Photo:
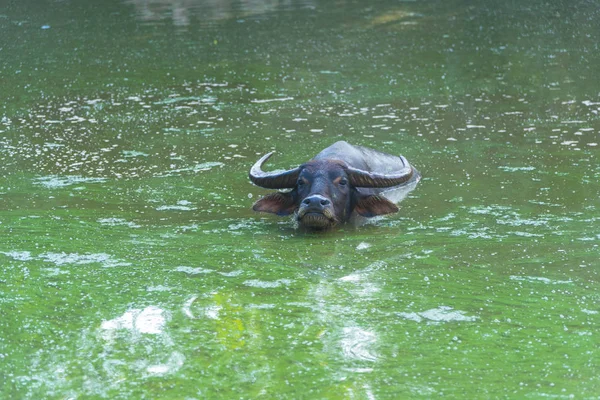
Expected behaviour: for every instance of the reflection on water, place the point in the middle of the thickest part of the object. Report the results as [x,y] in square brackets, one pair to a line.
[184,12]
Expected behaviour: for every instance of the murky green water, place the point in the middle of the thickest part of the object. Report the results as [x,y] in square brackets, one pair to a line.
[133,267]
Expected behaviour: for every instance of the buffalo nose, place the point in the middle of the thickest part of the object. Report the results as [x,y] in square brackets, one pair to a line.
[316,200]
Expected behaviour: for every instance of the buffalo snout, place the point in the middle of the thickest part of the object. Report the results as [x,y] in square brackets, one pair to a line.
[316,201]
[316,211]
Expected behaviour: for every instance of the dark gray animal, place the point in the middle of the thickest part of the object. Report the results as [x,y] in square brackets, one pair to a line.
[341,181]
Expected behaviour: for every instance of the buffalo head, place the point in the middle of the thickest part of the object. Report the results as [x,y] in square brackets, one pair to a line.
[325,192]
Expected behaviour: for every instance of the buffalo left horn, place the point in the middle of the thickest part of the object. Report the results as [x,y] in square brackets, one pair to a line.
[273,180]
[364,179]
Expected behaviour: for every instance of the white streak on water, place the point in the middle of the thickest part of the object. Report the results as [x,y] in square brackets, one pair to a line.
[55,181]
[440,314]
[231,273]
[18,255]
[158,288]
[175,208]
[197,168]
[80,259]
[192,100]
[193,271]
[133,153]
[267,284]
[514,169]
[359,370]
[53,145]
[173,364]
[264,306]
[362,246]
[388,116]
[55,271]
[117,222]
[526,234]
[538,279]
[150,320]
[60,259]
[271,100]
[207,165]
[187,307]
[212,312]
[351,278]
[491,210]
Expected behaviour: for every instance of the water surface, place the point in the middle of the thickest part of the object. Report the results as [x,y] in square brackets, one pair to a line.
[133,266]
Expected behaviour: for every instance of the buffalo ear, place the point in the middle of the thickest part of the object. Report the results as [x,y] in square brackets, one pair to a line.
[277,203]
[374,205]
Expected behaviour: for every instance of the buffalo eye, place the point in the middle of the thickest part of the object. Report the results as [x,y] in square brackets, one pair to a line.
[343,181]
[300,182]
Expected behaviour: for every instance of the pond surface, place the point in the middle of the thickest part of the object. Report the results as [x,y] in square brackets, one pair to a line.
[132,265]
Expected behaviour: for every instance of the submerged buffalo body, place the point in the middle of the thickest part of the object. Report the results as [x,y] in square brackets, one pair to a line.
[341,182]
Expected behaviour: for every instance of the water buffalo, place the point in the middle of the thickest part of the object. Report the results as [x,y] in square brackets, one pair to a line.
[341,182]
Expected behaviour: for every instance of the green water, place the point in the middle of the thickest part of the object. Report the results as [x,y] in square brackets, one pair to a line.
[133,267]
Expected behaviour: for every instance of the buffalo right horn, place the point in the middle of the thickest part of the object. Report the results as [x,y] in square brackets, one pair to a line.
[365,179]
[273,180]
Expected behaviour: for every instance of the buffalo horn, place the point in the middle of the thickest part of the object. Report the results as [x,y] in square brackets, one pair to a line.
[364,179]
[273,180]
